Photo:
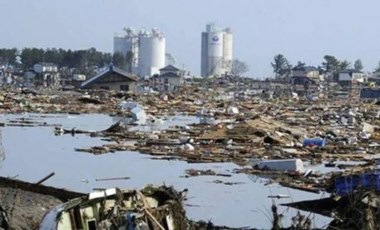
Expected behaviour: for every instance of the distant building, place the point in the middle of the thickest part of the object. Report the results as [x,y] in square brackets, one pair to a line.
[304,75]
[169,79]
[76,81]
[47,75]
[350,76]
[216,53]
[112,79]
[144,52]
[375,78]
[45,68]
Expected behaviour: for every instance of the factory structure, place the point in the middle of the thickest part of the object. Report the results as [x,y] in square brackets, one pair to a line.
[216,53]
[143,51]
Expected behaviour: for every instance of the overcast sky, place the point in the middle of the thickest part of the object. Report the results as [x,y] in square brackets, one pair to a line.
[300,29]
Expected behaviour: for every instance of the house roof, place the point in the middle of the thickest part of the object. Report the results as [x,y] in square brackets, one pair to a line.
[350,71]
[306,68]
[107,72]
[47,64]
[169,68]
[168,74]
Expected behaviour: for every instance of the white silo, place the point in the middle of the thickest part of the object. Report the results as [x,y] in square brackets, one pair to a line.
[216,55]
[151,52]
[127,46]
[121,45]
[227,50]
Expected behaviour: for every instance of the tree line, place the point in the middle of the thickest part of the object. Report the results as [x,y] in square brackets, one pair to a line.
[330,66]
[79,59]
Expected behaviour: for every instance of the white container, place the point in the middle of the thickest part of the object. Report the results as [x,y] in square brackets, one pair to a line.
[280,165]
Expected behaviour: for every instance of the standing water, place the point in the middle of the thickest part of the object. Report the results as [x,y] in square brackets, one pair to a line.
[33,152]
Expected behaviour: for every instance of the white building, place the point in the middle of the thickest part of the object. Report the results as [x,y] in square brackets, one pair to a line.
[45,67]
[350,76]
[169,79]
[48,75]
[143,51]
[216,55]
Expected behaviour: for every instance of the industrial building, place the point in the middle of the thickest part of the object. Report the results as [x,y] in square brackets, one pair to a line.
[144,51]
[216,54]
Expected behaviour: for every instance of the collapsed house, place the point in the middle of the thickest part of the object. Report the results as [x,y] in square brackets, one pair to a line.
[152,208]
[354,202]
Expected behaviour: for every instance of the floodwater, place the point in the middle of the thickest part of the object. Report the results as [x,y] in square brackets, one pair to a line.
[33,152]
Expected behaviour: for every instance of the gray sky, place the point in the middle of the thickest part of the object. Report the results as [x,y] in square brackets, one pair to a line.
[300,29]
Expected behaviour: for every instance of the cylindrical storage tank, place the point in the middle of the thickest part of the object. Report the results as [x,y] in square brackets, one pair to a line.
[158,52]
[135,50]
[227,50]
[151,54]
[204,55]
[145,47]
[215,44]
[215,53]
[121,45]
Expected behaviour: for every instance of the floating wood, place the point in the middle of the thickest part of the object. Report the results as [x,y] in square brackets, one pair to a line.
[45,178]
[113,178]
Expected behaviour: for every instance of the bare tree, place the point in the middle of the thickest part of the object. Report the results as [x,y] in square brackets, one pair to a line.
[238,68]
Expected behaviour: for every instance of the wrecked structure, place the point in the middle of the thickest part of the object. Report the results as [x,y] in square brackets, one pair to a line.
[151,208]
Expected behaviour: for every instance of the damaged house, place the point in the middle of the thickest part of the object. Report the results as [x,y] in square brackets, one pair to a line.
[47,75]
[350,77]
[112,79]
[307,75]
[169,79]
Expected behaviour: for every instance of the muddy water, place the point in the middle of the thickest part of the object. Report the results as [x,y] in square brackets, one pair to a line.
[34,152]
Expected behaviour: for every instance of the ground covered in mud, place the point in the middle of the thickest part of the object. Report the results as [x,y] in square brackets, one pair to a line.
[25,209]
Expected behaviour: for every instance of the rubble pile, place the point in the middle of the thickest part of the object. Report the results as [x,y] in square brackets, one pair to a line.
[270,133]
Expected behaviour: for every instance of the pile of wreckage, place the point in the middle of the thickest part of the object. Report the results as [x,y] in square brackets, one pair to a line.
[150,208]
[273,136]
[28,205]
[354,201]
